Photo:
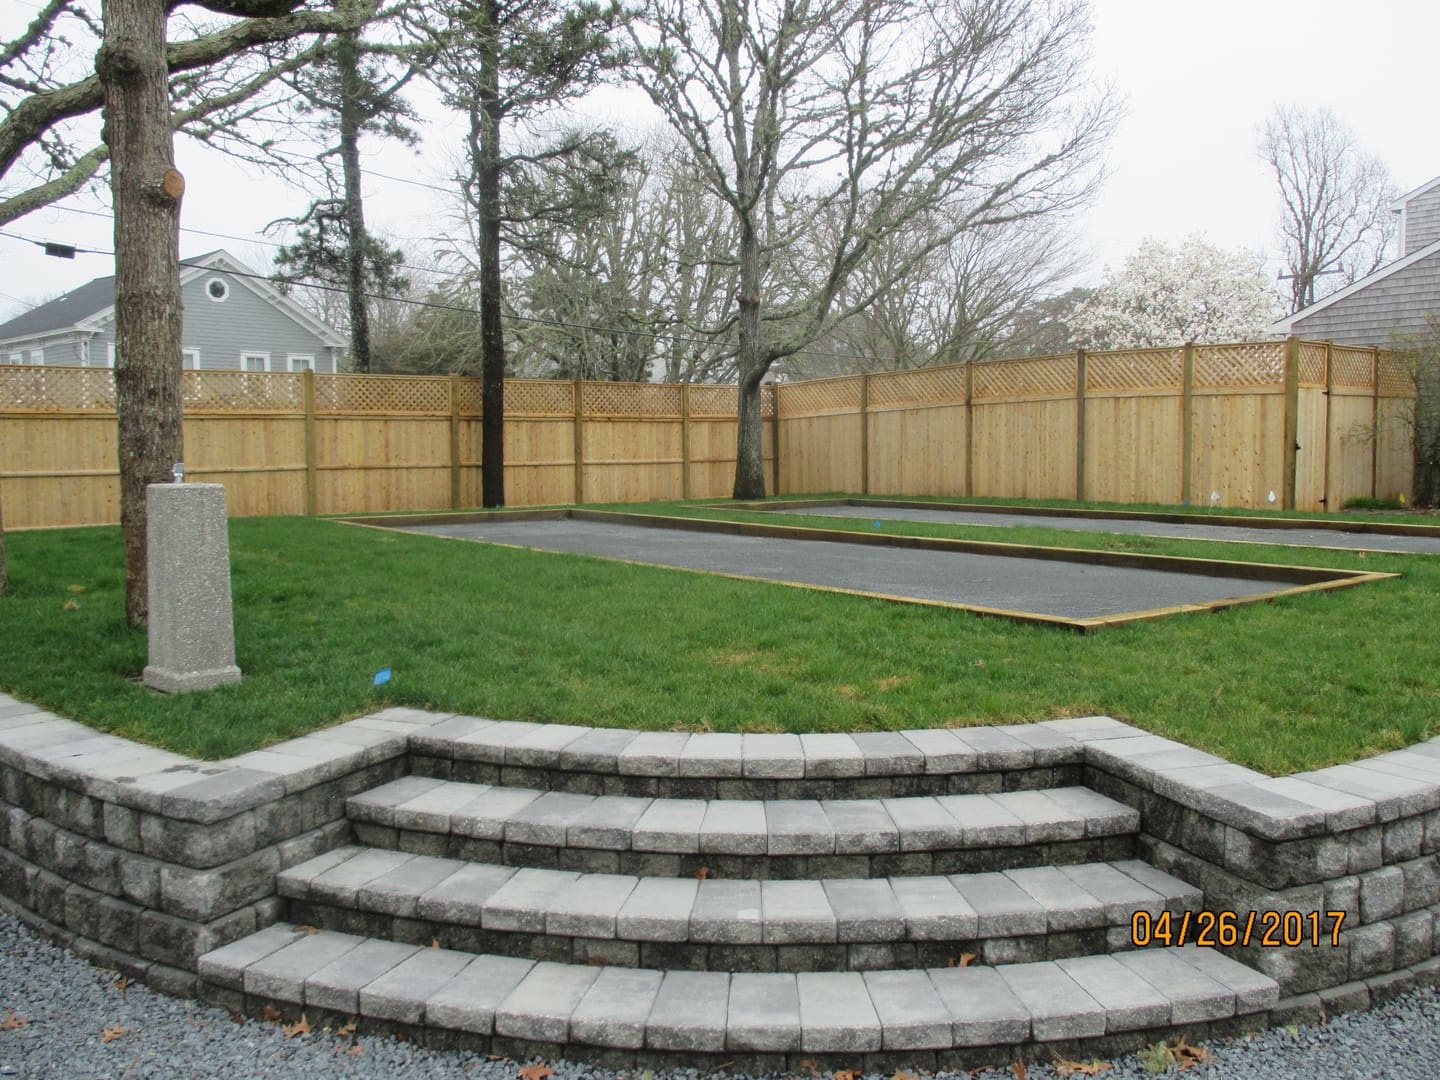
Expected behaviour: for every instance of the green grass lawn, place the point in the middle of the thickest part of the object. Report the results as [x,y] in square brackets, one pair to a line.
[320,607]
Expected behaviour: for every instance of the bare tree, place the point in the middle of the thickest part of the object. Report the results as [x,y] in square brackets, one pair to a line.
[870,114]
[1334,201]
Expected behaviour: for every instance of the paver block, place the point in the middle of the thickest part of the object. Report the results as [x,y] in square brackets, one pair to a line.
[996,749]
[1047,819]
[281,975]
[652,753]
[1059,1008]
[923,823]
[615,1009]
[865,910]
[670,825]
[1067,905]
[945,752]
[727,912]
[540,1006]
[798,827]
[399,891]
[590,909]
[795,912]
[1002,908]
[486,816]
[226,965]
[829,754]
[984,821]
[342,883]
[710,754]
[775,757]
[607,823]
[1130,1004]
[734,827]
[545,820]
[378,804]
[1253,991]
[540,749]
[1194,996]
[860,826]
[888,753]
[460,898]
[521,903]
[400,994]
[488,744]
[983,1010]
[597,750]
[337,985]
[934,909]
[912,1015]
[836,1014]
[469,1000]
[690,1011]
[764,1013]
[658,910]
[1122,895]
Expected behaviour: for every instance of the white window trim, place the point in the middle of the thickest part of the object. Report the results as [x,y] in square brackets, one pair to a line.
[190,359]
[37,357]
[263,357]
[225,295]
[300,361]
[17,358]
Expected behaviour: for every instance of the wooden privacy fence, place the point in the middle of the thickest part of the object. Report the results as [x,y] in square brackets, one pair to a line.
[1314,423]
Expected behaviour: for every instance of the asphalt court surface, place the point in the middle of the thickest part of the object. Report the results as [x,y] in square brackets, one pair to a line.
[1072,590]
[1357,541]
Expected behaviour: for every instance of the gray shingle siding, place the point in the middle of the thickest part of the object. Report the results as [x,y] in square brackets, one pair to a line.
[243,322]
[1376,315]
[1422,220]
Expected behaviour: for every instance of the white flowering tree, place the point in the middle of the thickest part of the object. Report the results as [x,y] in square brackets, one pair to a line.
[1166,296]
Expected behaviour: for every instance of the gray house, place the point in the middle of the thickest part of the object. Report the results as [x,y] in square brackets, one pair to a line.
[1394,300]
[234,320]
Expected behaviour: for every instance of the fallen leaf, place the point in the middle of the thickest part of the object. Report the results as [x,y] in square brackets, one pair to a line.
[537,1071]
[308,929]
[703,873]
[270,1015]
[113,1032]
[1186,1055]
[1066,1067]
[76,588]
[122,983]
[347,1029]
[808,1064]
[12,1022]
[901,1074]
[434,942]
[846,1074]
[356,1049]
[1018,1068]
[965,960]
[70,605]
[300,1027]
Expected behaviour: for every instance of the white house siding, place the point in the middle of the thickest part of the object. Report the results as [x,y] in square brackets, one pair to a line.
[1380,313]
[1422,220]
[57,350]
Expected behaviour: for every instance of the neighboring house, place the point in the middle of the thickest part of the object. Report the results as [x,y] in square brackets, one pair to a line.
[1392,302]
[234,320]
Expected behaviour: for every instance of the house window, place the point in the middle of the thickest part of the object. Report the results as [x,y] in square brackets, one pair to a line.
[110,354]
[17,358]
[85,352]
[301,362]
[190,359]
[255,361]
[37,357]
[217,290]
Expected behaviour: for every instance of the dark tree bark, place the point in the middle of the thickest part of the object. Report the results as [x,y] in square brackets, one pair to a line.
[146,191]
[352,119]
[485,136]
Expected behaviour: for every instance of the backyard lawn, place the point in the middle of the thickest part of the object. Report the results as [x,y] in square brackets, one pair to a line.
[320,607]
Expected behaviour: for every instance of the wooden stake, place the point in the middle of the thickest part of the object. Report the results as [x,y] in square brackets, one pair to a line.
[1080,425]
[864,433]
[455,495]
[969,427]
[1187,424]
[312,479]
[1292,419]
[579,447]
[685,440]
[1329,420]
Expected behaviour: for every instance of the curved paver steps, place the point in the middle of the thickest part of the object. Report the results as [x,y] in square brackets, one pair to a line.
[743,838]
[711,1013]
[717,924]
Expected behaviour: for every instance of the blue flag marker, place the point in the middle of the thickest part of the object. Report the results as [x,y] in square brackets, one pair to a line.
[877,524]
[382,676]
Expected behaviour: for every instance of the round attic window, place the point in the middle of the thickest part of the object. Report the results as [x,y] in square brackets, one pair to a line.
[217,290]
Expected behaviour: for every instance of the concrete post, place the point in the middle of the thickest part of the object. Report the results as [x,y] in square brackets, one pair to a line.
[192,628]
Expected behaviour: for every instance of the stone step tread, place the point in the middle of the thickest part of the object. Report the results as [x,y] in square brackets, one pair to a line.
[716,1012]
[759,756]
[957,907]
[742,826]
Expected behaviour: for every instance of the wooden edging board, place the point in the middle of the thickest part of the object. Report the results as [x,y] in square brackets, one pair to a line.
[1305,578]
[1176,517]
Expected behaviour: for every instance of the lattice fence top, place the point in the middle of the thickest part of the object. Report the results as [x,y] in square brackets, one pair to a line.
[57,389]
[1250,364]
[1038,375]
[527,397]
[242,391]
[1395,379]
[382,394]
[714,401]
[1135,369]
[921,386]
[1353,367]
[630,399]
[1312,364]
[820,396]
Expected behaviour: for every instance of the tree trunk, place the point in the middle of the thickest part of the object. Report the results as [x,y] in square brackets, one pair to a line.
[145,193]
[347,59]
[492,339]
[752,363]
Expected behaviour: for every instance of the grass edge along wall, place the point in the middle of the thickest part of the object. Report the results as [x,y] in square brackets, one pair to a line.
[1308,422]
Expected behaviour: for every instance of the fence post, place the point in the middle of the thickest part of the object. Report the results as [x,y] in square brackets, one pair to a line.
[969,427]
[455,440]
[774,433]
[685,440]
[1080,425]
[864,433]
[312,483]
[1375,422]
[1329,420]
[579,446]
[1187,422]
[1292,419]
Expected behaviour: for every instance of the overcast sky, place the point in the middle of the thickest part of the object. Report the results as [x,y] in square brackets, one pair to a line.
[1197,79]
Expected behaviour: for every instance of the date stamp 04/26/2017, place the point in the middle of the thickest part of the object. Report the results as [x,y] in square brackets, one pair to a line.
[1268,929]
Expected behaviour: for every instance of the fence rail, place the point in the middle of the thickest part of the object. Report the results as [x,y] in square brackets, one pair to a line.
[1311,422]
